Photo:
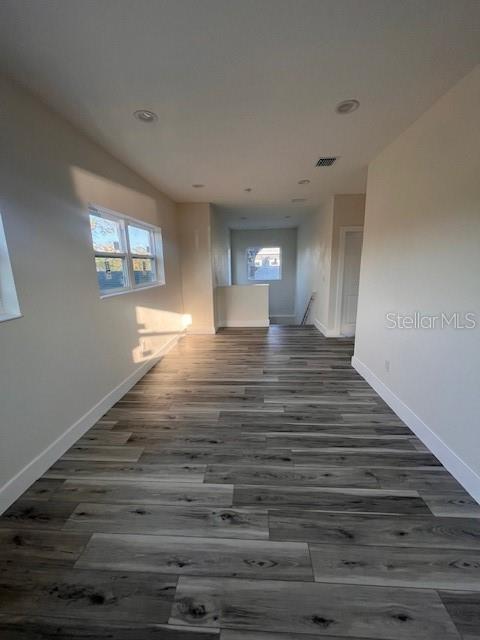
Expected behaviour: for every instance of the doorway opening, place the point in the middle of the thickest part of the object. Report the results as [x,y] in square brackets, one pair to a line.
[349,258]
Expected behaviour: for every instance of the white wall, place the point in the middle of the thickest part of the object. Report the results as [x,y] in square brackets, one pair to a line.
[282,292]
[322,234]
[308,254]
[221,260]
[314,250]
[221,249]
[306,267]
[70,349]
[243,305]
[348,211]
[422,253]
[194,223]
[318,241]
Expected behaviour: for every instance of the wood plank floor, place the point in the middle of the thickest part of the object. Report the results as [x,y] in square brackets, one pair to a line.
[251,486]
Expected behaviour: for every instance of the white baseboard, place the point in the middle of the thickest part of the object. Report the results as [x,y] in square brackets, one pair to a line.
[328,333]
[245,323]
[14,488]
[450,460]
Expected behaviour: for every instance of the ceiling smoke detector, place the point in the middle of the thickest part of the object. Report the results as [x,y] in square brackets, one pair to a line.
[248,189]
[347,106]
[304,181]
[145,115]
[326,162]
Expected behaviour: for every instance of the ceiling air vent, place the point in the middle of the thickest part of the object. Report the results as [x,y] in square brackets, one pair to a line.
[325,162]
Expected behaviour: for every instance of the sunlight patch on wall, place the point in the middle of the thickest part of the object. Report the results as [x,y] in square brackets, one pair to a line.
[92,188]
[155,329]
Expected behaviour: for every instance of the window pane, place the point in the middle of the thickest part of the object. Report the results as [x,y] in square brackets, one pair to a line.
[264,263]
[140,241]
[8,294]
[106,235]
[111,274]
[143,270]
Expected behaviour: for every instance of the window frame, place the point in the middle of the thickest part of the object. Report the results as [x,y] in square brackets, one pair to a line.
[143,256]
[124,221]
[9,307]
[258,248]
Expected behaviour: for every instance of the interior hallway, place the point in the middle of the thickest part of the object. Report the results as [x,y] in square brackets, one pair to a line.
[251,481]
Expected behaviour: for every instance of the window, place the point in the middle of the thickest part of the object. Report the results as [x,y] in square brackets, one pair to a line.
[128,253]
[9,308]
[264,263]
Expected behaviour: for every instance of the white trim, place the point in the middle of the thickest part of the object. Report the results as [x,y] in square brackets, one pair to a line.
[121,292]
[465,475]
[244,323]
[10,316]
[328,333]
[340,274]
[124,222]
[14,488]
[9,307]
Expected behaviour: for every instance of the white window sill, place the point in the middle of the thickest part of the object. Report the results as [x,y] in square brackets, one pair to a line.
[10,316]
[122,292]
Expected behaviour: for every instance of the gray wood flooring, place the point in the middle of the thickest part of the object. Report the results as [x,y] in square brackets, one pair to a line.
[251,486]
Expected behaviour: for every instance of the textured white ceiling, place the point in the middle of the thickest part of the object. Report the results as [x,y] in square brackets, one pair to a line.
[245,90]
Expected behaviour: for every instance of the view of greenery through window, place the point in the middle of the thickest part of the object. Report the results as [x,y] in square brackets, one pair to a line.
[264,263]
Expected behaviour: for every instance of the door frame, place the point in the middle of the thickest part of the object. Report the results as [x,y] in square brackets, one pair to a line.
[341,271]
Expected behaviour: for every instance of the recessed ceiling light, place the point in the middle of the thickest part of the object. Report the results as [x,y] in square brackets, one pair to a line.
[347,106]
[305,181]
[249,189]
[198,186]
[297,200]
[144,115]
